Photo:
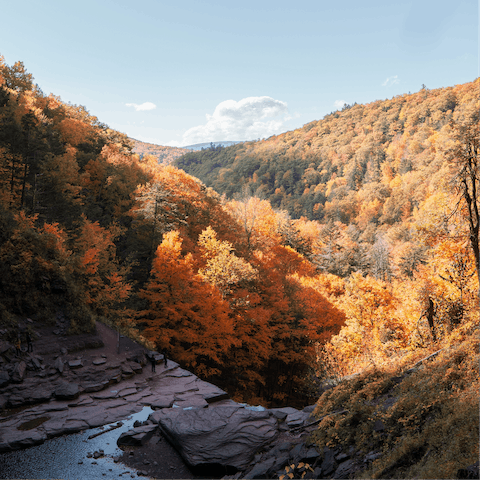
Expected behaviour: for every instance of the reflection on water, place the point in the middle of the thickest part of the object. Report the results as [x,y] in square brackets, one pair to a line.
[60,457]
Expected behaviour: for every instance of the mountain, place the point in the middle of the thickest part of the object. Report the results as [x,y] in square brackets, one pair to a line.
[165,155]
[206,145]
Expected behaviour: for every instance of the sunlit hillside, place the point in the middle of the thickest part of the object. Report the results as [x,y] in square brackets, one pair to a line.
[165,155]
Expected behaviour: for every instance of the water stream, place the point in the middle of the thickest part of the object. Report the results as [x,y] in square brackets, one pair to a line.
[66,456]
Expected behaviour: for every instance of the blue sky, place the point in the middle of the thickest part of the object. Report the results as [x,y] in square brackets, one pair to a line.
[190,71]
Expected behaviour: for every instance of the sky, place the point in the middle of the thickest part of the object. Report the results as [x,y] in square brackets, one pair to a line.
[191,71]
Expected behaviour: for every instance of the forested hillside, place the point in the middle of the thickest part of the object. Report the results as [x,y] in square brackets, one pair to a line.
[367,173]
[333,168]
[165,155]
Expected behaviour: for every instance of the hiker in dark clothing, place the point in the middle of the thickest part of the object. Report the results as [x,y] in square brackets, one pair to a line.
[165,356]
[153,362]
[29,343]
[430,312]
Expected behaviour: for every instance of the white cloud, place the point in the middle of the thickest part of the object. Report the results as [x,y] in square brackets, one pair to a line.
[391,81]
[142,106]
[338,104]
[247,119]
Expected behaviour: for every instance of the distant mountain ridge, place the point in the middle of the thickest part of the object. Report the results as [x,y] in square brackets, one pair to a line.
[165,155]
[200,146]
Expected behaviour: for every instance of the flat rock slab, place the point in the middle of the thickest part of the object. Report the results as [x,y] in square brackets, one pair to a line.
[94,387]
[54,428]
[75,364]
[84,401]
[165,401]
[177,372]
[113,365]
[96,420]
[127,391]
[227,436]
[138,396]
[105,395]
[54,407]
[190,400]
[98,361]
[209,392]
[17,439]
[120,402]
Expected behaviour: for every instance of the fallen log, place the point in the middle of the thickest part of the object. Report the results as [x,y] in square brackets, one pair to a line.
[434,354]
[118,425]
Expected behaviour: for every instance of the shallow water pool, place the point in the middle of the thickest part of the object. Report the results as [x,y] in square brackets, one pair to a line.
[60,457]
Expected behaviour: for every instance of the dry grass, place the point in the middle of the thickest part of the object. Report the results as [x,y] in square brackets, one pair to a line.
[425,423]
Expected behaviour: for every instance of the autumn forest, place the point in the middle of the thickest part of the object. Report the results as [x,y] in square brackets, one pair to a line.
[266,267]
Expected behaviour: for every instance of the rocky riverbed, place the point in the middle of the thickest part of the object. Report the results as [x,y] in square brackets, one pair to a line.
[62,404]
[79,383]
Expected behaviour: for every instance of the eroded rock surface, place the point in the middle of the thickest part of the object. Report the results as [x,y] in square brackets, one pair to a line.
[227,436]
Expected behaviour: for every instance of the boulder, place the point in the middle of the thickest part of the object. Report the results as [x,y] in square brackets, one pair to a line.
[99,361]
[58,365]
[19,372]
[4,378]
[296,419]
[328,464]
[67,391]
[227,436]
[127,370]
[39,395]
[33,363]
[4,347]
[282,413]
[260,469]
[345,469]
[472,471]
[137,436]
[136,367]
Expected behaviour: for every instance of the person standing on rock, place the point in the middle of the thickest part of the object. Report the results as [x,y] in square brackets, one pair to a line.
[165,357]
[29,343]
[164,351]
[153,361]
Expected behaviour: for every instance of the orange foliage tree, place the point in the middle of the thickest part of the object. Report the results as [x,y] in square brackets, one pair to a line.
[184,314]
[103,279]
